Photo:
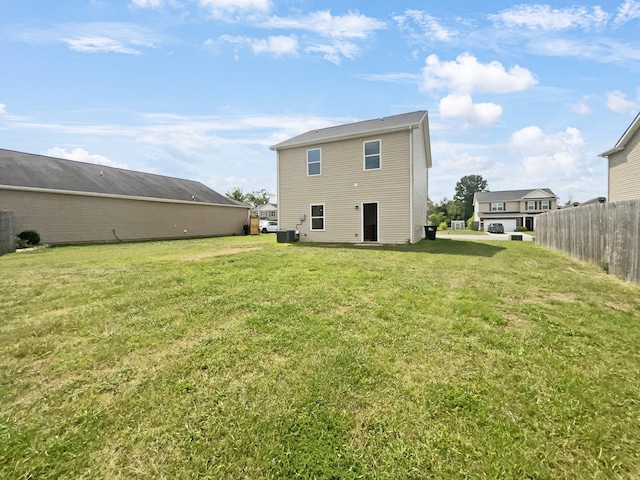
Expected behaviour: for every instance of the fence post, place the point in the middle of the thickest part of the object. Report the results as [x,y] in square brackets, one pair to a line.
[7,232]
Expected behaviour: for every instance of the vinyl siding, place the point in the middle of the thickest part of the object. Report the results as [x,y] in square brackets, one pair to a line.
[485,207]
[420,186]
[342,168]
[515,206]
[624,172]
[69,218]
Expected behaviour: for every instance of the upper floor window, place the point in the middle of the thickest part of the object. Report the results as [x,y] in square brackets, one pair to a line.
[497,207]
[544,205]
[531,205]
[313,162]
[317,217]
[372,155]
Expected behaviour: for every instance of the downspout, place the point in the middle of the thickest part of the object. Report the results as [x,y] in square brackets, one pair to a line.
[278,186]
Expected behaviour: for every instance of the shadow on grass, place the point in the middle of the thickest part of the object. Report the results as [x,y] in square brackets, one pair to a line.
[437,247]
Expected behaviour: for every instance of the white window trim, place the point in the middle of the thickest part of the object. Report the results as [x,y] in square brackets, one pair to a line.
[311,217]
[534,204]
[318,162]
[545,205]
[364,156]
[501,204]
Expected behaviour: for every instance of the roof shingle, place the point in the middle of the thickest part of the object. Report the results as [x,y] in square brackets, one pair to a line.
[350,129]
[19,169]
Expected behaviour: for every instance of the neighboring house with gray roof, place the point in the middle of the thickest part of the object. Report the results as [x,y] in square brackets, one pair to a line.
[364,182]
[624,165]
[75,202]
[512,208]
[268,211]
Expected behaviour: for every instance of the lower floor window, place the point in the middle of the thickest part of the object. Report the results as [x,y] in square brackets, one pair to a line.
[317,217]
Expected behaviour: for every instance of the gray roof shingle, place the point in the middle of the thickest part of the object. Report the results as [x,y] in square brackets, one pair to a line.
[19,169]
[350,129]
[508,195]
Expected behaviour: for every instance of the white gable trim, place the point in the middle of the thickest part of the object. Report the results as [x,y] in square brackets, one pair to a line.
[626,136]
[537,193]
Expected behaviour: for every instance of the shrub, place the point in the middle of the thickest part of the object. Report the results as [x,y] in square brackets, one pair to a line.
[522,229]
[31,237]
[443,226]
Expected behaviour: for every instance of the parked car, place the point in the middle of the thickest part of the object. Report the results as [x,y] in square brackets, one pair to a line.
[496,228]
[268,226]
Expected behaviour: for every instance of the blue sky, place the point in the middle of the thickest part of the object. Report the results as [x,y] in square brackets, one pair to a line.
[524,94]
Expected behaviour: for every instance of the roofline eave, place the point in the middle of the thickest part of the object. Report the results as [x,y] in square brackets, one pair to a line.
[399,128]
[19,188]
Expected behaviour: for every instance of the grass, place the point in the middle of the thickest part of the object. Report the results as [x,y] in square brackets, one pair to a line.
[243,358]
[460,232]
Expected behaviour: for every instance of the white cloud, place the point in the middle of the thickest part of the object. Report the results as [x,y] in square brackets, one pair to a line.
[92,37]
[99,45]
[558,156]
[3,109]
[466,75]
[617,102]
[461,106]
[352,25]
[336,52]
[277,45]
[397,77]
[222,9]
[628,11]
[81,155]
[429,28]
[543,17]
[147,3]
[465,162]
[580,108]
[600,50]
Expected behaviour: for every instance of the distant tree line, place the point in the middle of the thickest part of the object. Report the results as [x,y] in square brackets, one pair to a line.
[255,198]
[461,206]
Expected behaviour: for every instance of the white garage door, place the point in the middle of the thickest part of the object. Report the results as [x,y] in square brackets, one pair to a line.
[509,225]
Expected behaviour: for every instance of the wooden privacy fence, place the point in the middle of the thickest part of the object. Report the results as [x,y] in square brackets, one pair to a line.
[605,234]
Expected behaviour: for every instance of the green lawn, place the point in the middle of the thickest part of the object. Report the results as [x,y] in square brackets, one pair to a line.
[444,233]
[242,358]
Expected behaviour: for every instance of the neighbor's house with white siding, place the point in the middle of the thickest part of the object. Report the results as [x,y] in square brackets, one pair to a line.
[512,208]
[364,182]
[69,202]
[624,165]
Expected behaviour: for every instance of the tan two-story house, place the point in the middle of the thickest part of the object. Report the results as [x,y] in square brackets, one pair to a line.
[624,165]
[512,208]
[364,182]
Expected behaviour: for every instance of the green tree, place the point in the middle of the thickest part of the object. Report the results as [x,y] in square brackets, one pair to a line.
[466,187]
[445,211]
[258,197]
[237,194]
[255,198]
